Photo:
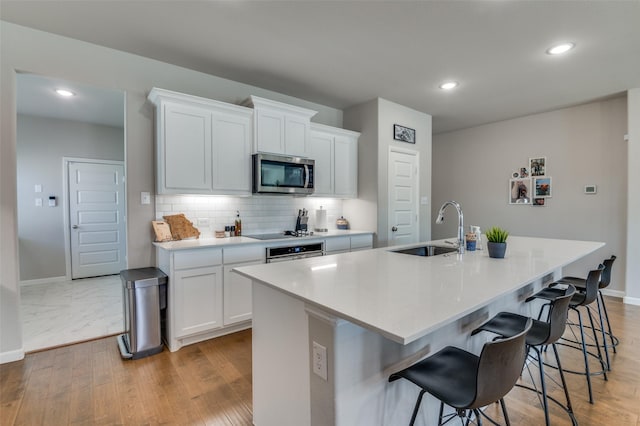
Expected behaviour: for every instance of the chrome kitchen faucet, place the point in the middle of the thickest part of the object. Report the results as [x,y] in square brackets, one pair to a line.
[440,220]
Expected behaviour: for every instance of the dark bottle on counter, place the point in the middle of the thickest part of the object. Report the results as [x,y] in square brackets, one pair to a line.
[238,224]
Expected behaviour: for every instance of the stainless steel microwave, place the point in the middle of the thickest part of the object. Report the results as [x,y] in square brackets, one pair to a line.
[281,174]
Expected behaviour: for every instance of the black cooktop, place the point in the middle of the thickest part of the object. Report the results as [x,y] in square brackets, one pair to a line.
[274,236]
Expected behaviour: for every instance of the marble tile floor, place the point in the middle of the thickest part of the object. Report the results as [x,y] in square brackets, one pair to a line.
[60,313]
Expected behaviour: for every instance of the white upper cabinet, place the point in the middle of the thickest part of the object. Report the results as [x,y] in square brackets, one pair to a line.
[202,146]
[280,128]
[186,151]
[336,154]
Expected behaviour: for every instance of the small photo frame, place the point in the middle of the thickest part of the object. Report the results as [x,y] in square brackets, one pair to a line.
[404,134]
[520,191]
[538,166]
[542,187]
[538,202]
[524,173]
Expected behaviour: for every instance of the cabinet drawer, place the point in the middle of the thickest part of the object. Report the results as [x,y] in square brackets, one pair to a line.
[245,253]
[199,258]
[362,241]
[336,244]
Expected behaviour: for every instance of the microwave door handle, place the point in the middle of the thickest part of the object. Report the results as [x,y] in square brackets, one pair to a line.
[306,176]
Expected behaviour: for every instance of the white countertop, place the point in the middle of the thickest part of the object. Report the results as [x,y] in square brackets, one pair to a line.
[230,241]
[404,297]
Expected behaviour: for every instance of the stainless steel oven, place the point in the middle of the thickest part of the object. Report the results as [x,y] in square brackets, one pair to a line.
[293,252]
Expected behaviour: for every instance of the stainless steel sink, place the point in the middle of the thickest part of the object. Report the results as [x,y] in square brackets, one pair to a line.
[428,250]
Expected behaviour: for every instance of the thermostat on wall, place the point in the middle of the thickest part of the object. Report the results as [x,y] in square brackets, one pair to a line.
[590,189]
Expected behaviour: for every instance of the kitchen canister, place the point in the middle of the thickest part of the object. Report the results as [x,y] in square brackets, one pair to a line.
[321,220]
[342,223]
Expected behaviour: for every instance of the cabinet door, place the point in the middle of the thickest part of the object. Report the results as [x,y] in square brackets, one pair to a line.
[296,135]
[198,300]
[237,294]
[321,150]
[231,154]
[345,167]
[184,155]
[270,131]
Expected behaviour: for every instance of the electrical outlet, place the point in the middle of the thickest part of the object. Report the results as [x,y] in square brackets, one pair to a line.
[319,360]
[203,222]
[38,202]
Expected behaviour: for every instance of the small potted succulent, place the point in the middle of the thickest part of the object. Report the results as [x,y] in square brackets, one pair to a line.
[496,242]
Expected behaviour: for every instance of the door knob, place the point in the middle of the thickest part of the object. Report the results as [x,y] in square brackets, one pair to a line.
[394,228]
[75,227]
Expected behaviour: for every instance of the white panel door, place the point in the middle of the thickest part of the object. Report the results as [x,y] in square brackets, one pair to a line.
[237,294]
[403,194]
[96,218]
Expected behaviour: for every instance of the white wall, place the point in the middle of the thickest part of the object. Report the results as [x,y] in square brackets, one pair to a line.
[27,50]
[42,142]
[583,145]
[375,120]
[633,212]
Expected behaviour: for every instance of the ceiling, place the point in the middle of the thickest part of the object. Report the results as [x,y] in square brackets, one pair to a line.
[342,53]
[36,96]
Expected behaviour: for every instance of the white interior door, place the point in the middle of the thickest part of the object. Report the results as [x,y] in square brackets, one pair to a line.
[403,197]
[96,218]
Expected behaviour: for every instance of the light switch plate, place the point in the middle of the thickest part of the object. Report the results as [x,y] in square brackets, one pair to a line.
[38,202]
[37,188]
[424,200]
[145,198]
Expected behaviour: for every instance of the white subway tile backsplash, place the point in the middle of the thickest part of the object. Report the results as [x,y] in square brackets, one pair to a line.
[260,214]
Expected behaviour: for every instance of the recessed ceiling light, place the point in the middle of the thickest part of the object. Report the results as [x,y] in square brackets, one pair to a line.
[559,49]
[65,93]
[448,85]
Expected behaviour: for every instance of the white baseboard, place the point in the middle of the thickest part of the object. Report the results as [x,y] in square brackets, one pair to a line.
[43,281]
[11,356]
[631,300]
[614,293]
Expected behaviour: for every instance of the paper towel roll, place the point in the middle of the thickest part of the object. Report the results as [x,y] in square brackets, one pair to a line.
[321,221]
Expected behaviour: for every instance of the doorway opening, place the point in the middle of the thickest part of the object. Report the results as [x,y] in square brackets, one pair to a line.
[50,129]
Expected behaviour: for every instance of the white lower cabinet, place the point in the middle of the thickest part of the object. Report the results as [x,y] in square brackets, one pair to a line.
[206,299]
[237,294]
[198,299]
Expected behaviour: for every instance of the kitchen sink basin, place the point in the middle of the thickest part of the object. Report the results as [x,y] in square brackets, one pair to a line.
[428,250]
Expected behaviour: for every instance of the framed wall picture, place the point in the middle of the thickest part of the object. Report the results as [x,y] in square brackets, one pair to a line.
[520,191]
[404,134]
[538,166]
[542,187]
[538,202]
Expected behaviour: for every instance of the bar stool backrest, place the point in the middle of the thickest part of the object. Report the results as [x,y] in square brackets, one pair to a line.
[591,285]
[558,315]
[605,279]
[499,367]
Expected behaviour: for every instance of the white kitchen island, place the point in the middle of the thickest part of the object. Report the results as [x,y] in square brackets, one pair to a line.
[376,312]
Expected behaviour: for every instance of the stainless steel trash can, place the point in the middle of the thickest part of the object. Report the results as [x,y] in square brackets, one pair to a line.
[144,299]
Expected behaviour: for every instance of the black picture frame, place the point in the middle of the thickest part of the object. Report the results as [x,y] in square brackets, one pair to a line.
[404,134]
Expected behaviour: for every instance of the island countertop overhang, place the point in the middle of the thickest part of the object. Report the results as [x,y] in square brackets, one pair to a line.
[405,297]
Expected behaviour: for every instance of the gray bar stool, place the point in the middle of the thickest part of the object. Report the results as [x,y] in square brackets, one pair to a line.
[466,381]
[580,299]
[541,334]
[605,279]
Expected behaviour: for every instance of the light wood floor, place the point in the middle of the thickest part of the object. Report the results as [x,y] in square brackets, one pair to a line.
[210,383]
